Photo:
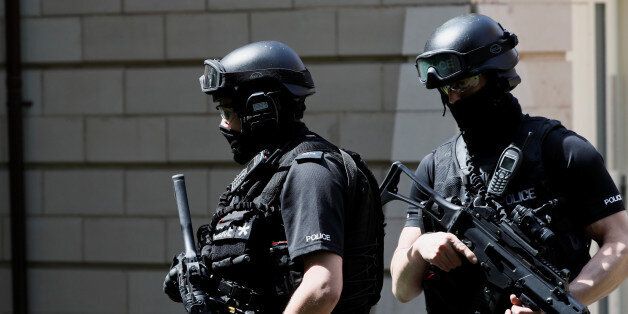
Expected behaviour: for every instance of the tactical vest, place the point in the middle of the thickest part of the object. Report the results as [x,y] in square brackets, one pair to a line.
[529,187]
[246,246]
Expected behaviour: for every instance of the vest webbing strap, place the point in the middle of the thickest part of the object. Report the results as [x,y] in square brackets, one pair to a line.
[351,170]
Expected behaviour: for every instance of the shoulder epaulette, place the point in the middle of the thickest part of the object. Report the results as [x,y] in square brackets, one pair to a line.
[309,156]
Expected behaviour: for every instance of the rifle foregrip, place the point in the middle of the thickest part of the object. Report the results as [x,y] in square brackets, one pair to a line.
[527,302]
[181,197]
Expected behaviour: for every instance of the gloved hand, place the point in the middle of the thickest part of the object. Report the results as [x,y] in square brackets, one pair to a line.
[177,286]
[171,282]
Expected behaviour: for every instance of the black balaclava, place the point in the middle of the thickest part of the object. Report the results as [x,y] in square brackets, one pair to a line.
[245,145]
[242,146]
[487,119]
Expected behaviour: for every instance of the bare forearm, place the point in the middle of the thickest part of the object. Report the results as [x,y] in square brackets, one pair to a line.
[321,286]
[602,274]
[312,296]
[407,274]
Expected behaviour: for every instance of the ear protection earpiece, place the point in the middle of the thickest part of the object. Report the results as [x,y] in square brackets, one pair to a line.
[261,113]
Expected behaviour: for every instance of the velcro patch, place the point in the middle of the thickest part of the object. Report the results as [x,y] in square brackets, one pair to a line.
[309,156]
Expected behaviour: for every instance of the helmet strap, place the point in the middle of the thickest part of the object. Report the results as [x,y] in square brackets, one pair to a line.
[444,99]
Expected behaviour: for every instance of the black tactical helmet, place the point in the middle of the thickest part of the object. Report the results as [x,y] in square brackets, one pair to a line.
[465,46]
[264,61]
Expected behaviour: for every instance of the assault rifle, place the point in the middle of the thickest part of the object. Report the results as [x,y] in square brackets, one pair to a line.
[194,278]
[506,253]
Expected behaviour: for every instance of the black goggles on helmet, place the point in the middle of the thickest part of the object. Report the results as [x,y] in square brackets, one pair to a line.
[215,77]
[447,64]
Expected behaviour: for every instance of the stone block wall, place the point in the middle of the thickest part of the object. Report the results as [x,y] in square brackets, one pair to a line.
[117,110]
[544,44]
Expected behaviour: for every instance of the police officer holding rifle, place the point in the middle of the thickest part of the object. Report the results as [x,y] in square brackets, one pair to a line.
[531,170]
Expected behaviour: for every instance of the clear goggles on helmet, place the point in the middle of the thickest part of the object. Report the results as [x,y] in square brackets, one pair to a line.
[216,77]
[447,64]
[213,77]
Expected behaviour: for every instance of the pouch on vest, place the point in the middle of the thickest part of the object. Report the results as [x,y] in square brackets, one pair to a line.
[238,241]
[285,279]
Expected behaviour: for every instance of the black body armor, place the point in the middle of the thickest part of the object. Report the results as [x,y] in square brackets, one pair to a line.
[464,289]
[246,246]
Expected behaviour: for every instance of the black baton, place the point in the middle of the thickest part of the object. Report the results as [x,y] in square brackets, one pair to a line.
[181,196]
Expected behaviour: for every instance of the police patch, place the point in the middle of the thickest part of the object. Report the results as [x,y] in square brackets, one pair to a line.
[612,199]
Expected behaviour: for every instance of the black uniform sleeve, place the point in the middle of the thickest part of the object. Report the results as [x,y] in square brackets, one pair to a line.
[312,205]
[577,170]
[425,174]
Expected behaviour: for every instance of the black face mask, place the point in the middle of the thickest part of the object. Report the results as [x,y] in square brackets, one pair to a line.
[476,111]
[242,147]
[486,118]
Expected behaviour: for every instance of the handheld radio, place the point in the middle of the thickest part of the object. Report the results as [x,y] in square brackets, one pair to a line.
[509,161]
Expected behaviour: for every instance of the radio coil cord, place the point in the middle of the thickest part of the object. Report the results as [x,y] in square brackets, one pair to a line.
[475,185]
